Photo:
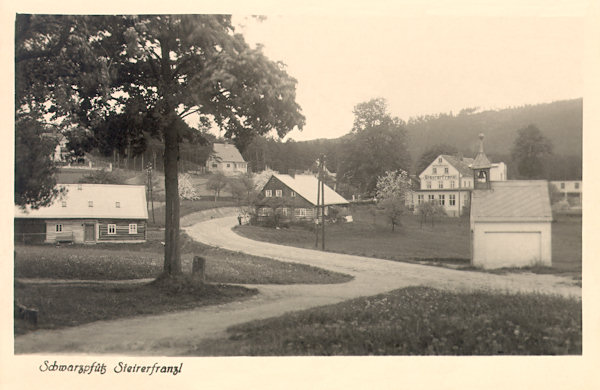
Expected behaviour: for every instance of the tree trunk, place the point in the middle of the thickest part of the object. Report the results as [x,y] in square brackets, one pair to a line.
[172,255]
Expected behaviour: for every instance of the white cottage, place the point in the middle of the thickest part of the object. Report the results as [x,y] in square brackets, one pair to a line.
[511,221]
[226,159]
[87,213]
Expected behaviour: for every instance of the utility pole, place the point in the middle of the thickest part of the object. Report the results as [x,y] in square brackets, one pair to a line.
[321,174]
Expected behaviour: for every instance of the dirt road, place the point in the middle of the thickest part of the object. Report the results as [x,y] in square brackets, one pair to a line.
[175,333]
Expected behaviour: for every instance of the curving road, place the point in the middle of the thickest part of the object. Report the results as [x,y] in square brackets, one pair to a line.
[176,333]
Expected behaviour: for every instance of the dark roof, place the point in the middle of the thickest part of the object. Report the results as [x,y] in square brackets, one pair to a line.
[512,200]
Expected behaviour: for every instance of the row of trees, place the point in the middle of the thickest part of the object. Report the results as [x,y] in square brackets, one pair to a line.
[123,78]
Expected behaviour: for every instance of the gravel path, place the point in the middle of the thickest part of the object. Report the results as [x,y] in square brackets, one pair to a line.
[173,334]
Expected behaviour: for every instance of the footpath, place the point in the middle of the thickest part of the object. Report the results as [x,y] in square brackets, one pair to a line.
[173,334]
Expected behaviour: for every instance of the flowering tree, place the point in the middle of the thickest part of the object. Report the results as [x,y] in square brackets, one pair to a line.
[391,191]
[186,188]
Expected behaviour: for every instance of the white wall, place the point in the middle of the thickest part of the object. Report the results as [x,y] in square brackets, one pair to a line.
[511,244]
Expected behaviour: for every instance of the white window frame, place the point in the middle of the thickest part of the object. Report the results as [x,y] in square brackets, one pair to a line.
[278,193]
[434,170]
[90,203]
[133,228]
[301,212]
[440,160]
[293,194]
[446,170]
[452,200]
[268,193]
[111,229]
[58,228]
[284,211]
[442,200]
[440,184]
[420,199]
[118,205]
[452,184]
[431,198]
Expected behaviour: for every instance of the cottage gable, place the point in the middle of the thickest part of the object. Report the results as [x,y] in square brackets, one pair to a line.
[447,172]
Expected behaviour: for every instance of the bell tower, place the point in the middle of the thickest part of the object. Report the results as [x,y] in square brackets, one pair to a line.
[481,168]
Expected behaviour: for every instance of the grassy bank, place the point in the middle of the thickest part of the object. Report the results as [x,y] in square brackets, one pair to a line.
[415,321]
[66,305]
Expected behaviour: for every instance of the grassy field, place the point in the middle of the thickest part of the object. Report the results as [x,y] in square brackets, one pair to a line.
[71,305]
[187,207]
[445,243]
[68,305]
[415,321]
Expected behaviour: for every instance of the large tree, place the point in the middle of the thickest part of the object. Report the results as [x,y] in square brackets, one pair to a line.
[376,144]
[529,151]
[154,71]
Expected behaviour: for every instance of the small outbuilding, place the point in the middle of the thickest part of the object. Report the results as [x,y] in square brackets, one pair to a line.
[87,213]
[511,221]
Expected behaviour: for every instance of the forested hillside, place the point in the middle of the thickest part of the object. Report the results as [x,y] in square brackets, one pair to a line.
[560,122]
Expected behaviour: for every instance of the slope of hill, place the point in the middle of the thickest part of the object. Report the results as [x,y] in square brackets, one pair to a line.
[561,122]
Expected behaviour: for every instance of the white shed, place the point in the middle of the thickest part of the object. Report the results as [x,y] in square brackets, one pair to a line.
[511,225]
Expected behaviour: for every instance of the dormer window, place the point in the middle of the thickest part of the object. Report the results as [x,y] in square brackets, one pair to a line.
[440,160]
[118,205]
[90,203]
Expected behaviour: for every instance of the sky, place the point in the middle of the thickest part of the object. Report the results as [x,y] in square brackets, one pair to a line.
[421,64]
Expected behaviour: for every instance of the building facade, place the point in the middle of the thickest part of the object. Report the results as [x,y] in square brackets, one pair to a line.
[571,191]
[87,213]
[295,197]
[226,159]
[448,182]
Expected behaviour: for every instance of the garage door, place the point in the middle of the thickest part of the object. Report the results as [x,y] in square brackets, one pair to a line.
[512,249]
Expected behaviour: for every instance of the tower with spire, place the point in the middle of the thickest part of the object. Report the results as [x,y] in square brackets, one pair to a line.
[481,168]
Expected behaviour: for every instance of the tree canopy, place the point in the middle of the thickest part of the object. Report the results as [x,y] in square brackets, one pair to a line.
[123,76]
[377,144]
[529,150]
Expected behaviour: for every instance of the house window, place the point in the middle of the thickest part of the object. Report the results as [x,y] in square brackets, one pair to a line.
[90,203]
[431,198]
[64,204]
[576,186]
[214,165]
[293,194]
[442,200]
[452,184]
[59,228]
[79,187]
[428,185]
[434,170]
[440,160]
[419,199]
[112,228]
[228,165]
[133,228]
[440,184]
[452,200]
[284,211]
[562,186]
[302,212]
[268,193]
[446,170]
[278,193]
[263,212]
[118,205]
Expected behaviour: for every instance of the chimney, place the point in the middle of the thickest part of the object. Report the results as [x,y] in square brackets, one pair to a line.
[292,173]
